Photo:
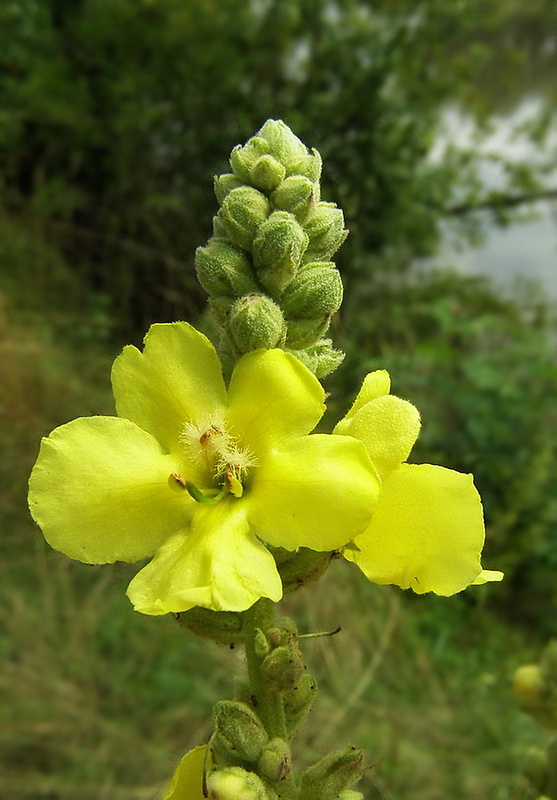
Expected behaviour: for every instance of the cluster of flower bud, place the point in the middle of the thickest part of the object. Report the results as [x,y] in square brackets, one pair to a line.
[267,268]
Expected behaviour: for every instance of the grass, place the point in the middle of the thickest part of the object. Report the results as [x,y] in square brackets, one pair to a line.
[99,702]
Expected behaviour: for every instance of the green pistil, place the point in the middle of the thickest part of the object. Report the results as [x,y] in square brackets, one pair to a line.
[208,499]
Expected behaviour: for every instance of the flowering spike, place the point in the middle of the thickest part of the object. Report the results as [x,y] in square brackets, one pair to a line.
[271,228]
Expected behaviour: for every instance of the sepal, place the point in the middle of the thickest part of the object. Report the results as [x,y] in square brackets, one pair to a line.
[334,773]
[274,763]
[298,195]
[326,231]
[223,269]
[223,627]
[277,251]
[239,734]
[255,322]
[242,212]
[315,292]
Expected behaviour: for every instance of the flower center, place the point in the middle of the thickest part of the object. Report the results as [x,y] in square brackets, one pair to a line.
[210,447]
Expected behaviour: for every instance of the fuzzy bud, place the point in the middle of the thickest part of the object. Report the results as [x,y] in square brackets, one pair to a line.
[350,794]
[298,701]
[308,165]
[314,293]
[282,143]
[303,333]
[223,270]
[296,194]
[223,185]
[267,173]
[242,212]
[220,307]
[303,567]
[254,322]
[321,358]
[283,667]
[326,231]
[277,251]
[332,774]
[244,157]
[234,783]
[239,734]
[224,627]
[275,761]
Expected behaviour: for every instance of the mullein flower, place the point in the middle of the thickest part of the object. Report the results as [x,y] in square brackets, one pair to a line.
[188,780]
[199,478]
[427,530]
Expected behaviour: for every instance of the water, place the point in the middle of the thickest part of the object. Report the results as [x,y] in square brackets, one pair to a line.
[524,249]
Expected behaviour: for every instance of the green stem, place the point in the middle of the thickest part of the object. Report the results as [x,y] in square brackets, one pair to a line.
[266,701]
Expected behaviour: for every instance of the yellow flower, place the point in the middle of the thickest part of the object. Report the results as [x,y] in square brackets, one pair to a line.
[187,781]
[197,478]
[427,530]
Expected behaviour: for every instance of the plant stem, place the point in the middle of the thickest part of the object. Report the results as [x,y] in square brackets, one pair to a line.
[266,700]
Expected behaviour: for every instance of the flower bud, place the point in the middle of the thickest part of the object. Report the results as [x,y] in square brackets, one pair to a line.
[277,250]
[267,173]
[350,794]
[326,231]
[296,194]
[239,734]
[332,774]
[244,157]
[254,322]
[275,761]
[283,667]
[305,332]
[220,308]
[314,293]
[303,567]
[529,686]
[234,783]
[224,627]
[282,143]
[242,212]
[223,269]
[298,701]
[223,185]
[308,165]
[321,358]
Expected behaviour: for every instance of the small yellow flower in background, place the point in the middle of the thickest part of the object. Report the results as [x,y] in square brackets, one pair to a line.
[427,531]
[198,478]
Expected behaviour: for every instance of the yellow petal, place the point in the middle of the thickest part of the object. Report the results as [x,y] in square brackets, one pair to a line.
[375,384]
[218,565]
[187,781]
[388,427]
[100,491]
[318,492]
[488,576]
[175,379]
[427,531]
[272,398]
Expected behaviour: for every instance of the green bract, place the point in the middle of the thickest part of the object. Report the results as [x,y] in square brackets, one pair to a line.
[198,478]
[427,531]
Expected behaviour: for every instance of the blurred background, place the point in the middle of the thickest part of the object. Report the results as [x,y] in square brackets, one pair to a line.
[437,129]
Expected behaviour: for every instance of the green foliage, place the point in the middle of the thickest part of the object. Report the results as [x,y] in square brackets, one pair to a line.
[115,114]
